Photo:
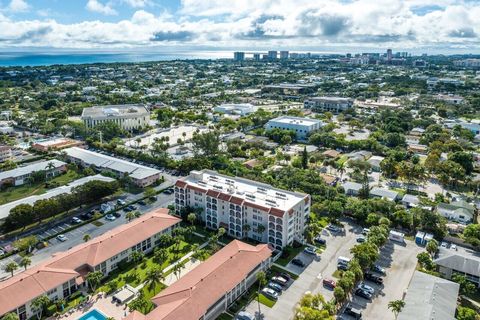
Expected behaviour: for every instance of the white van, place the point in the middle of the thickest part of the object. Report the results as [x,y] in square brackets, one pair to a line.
[343,260]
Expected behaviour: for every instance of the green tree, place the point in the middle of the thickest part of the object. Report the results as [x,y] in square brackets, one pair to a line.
[10,316]
[11,267]
[153,278]
[206,144]
[93,279]
[149,192]
[464,313]
[339,295]
[136,257]
[466,287]
[262,281]
[86,237]
[396,306]
[312,307]
[39,305]
[192,217]
[305,158]
[432,247]
[130,216]
[160,255]
[25,262]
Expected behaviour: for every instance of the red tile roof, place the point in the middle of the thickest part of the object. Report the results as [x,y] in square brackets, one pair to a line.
[191,296]
[72,263]
[277,212]
[196,188]
[224,196]
[213,193]
[180,184]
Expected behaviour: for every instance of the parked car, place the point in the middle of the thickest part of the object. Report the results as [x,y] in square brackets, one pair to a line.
[298,263]
[275,286]
[168,191]
[353,312]
[365,231]
[373,278]
[269,293]
[320,241]
[280,280]
[87,215]
[342,266]
[76,220]
[378,269]
[117,214]
[142,203]
[285,276]
[444,245]
[333,228]
[361,239]
[110,217]
[153,198]
[2,252]
[309,250]
[132,207]
[363,294]
[453,247]
[62,238]
[366,287]
[127,209]
[243,315]
[121,202]
[329,283]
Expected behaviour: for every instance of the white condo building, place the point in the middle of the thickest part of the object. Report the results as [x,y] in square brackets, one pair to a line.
[127,117]
[244,207]
[301,126]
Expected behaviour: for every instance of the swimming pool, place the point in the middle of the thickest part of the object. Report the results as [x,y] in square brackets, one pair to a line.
[93,315]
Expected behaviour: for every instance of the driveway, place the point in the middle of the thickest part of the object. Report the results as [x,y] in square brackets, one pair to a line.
[311,276]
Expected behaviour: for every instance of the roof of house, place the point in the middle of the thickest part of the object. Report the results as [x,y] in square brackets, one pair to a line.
[459,207]
[430,297]
[68,265]
[21,171]
[331,153]
[191,296]
[384,193]
[349,185]
[410,198]
[459,260]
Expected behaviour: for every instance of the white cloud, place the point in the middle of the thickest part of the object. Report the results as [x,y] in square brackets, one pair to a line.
[270,23]
[18,6]
[96,6]
[137,3]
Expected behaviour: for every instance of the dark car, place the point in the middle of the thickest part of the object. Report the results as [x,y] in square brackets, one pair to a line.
[86,216]
[142,203]
[153,198]
[298,263]
[117,214]
[329,283]
[132,207]
[285,276]
[364,294]
[373,278]
[275,286]
[353,312]
[320,241]
[378,269]
[342,266]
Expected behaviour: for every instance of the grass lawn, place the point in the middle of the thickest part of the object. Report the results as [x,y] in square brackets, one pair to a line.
[15,193]
[265,301]
[225,316]
[337,274]
[288,254]
[276,269]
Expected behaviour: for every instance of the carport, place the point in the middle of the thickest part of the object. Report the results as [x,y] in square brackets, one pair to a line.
[125,294]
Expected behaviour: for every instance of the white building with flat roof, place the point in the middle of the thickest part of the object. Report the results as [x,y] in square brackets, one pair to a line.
[20,175]
[127,116]
[330,104]
[241,109]
[245,208]
[301,126]
[142,176]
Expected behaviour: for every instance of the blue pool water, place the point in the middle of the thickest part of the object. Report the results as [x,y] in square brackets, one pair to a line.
[93,315]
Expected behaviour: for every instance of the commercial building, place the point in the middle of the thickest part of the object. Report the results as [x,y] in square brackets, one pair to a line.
[290,89]
[210,288]
[239,56]
[5,208]
[461,261]
[330,104]
[241,109]
[283,55]
[430,297]
[140,175]
[56,144]
[301,126]
[66,272]
[272,55]
[5,153]
[245,208]
[127,117]
[20,175]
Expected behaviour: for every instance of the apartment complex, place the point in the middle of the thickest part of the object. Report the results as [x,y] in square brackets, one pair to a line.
[330,104]
[210,288]
[20,175]
[245,208]
[66,272]
[5,153]
[301,126]
[141,176]
[128,116]
[56,144]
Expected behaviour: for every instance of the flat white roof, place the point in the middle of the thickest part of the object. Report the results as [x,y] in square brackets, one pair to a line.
[5,209]
[249,190]
[296,121]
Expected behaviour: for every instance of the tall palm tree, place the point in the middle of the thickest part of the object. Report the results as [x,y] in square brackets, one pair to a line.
[25,262]
[11,267]
[93,279]
[86,237]
[50,166]
[130,216]
[396,306]
[153,278]
[262,281]
[39,304]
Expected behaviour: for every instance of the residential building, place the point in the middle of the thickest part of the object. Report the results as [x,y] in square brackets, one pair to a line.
[272,55]
[375,163]
[210,288]
[128,116]
[241,109]
[66,272]
[459,211]
[410,201]
[330,104]
[245,208]
[429,297]
[283,55]
[141,176]
[20,175]
[239,56]
[384,193]
[56,144]
[301,126]
[5,153]
[352,188]
[5,208]
[461,261]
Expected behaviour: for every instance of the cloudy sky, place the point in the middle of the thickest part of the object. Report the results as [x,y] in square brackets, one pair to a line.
[322,25]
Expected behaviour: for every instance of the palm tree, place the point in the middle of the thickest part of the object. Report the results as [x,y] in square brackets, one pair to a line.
[432,247]
[396,306]
[11,267]
[191,218]
[39,304]
[50,166]
[261,230]
[262,281]
[136,257]
[86,237]
[160,255]
[177,270]
[246,228]
[153,278]
[93,279]
[25,262]
[130,216]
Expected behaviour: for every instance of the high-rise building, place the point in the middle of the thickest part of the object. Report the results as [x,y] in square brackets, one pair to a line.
[389,54]
[283,54]
[272,54]
[245,208]
[256,56]
[239,56]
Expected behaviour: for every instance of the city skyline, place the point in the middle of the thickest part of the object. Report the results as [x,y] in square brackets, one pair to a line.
[447,26]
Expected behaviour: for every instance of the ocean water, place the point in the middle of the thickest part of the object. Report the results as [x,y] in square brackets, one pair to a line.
[9,59]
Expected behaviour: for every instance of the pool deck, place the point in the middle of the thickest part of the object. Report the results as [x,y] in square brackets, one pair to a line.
[102,303]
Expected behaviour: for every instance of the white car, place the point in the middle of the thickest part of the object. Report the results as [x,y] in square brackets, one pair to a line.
[366,288]
[453,247]
[270,293]
[62,238]
[110,217]
[243,315]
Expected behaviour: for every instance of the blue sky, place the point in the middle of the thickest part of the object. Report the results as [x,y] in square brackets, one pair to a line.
[326,25]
